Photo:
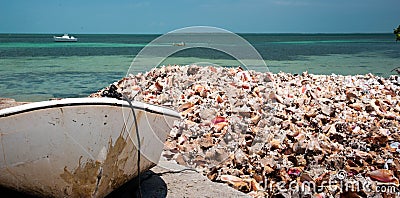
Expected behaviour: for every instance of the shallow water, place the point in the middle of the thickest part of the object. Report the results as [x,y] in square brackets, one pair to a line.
[34,68]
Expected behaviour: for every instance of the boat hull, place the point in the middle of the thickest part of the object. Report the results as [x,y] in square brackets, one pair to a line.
[65,40]
[79,148]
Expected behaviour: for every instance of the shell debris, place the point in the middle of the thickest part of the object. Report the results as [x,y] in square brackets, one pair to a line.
[253,130]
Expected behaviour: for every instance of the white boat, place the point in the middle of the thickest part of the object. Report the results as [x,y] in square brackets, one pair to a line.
[65,38]
[80,147]
[179,44]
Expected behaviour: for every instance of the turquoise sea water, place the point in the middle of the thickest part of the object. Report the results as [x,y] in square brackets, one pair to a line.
[34,68]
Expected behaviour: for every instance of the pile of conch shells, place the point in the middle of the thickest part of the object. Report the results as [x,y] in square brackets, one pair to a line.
[279,135]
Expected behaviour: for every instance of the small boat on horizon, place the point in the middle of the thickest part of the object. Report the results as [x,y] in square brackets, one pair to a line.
[65,38]
[80,147]
[179,44]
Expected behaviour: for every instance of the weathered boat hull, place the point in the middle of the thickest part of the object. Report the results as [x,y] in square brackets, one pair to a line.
[78,147]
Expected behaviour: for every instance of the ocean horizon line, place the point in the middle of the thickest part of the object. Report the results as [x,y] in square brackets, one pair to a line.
[239,33]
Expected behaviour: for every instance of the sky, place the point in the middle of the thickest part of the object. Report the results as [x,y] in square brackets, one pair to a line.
[162,16]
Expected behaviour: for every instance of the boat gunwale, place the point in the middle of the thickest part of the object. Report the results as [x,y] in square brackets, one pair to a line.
[86,101]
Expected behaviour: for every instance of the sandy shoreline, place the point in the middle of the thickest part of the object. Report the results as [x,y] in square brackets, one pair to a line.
[261,132]
[9,102]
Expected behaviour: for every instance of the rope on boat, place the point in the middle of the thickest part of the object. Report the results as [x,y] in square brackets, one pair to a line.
[113,93]
[138,139]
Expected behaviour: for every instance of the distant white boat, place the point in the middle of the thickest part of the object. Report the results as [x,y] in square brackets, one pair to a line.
[65,38]
[179,44]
